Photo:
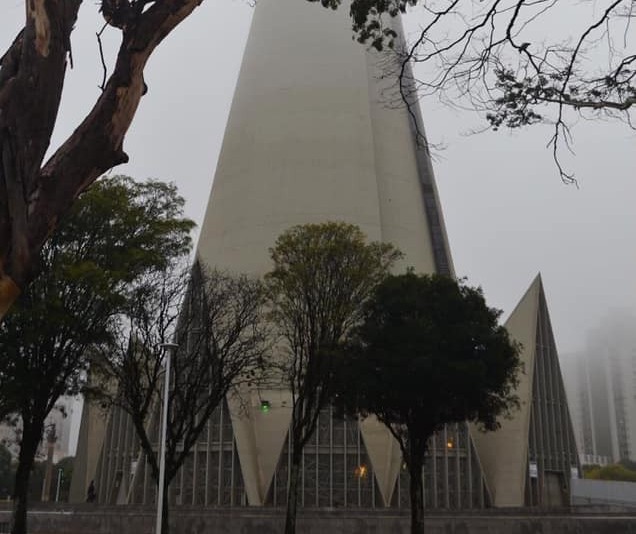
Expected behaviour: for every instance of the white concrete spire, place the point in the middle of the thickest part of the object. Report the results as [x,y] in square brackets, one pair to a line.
[311,137]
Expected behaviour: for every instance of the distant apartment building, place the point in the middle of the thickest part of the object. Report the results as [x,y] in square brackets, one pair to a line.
[601,385]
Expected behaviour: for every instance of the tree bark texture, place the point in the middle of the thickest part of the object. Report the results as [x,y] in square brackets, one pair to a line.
[28,448]
[416,492]
[292,492]
[33,195]
[414,451]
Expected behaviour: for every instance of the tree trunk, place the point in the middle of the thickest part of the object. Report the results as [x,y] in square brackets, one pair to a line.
[26,458]
[292,492]
[416,492]
[165,512]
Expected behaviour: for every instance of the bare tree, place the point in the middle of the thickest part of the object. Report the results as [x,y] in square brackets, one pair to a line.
[215,319]
[323,274]
[518,62]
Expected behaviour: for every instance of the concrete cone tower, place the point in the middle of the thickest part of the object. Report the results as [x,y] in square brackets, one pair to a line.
[314,135]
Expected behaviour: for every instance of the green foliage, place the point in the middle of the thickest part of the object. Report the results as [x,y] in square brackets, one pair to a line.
[609,472]
[8,470]
[7,476]
[516,107]
[323,274]
[429,352]
[120,229]
[114,235]
[629,464]
[113,239]
[366,16]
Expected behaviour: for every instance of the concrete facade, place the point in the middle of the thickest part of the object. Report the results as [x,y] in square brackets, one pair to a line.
[504,454]
[531,459]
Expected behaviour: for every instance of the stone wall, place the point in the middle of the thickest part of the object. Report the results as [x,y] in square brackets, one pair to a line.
[87,519]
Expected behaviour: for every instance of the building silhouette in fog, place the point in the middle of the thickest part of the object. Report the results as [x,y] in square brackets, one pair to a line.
[601,383]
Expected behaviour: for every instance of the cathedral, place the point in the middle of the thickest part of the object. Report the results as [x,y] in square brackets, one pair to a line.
[317,132]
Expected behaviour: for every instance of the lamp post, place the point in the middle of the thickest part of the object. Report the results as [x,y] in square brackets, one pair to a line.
[168,349]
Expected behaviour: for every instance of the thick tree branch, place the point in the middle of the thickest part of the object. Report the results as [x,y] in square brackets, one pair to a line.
[34,198]
[31,80]
[496,57]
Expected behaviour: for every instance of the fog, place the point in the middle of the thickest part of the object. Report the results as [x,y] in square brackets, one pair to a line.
[507,213]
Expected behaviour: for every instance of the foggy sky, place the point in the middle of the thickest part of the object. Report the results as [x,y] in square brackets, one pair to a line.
[507,213]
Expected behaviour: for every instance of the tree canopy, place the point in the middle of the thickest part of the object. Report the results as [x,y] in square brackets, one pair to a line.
[322,276]
[429,352]
[114,237]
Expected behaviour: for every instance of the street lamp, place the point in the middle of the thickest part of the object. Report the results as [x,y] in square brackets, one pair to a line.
[168,349]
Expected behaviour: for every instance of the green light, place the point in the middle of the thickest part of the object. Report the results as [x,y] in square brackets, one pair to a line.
[265,406]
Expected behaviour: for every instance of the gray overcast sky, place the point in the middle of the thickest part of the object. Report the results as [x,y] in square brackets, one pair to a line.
[507,213]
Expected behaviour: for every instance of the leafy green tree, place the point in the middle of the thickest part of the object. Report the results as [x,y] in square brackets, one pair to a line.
[215,319]
[322,276]
[429,352]
[115,235]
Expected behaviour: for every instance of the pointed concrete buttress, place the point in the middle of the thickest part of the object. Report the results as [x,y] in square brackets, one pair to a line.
[503,453]
[260,436]
[384,453]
